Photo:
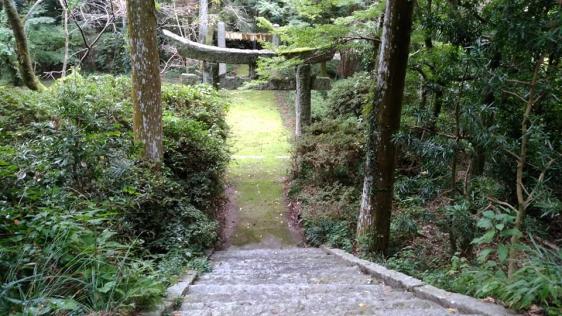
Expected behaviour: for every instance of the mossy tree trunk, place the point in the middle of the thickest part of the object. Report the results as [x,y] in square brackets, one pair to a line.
[147,120]
[373,227]
[22,52]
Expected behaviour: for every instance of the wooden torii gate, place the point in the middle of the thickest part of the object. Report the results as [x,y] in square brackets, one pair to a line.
[303,84]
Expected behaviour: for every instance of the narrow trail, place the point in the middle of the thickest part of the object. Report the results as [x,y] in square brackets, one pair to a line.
[261,150]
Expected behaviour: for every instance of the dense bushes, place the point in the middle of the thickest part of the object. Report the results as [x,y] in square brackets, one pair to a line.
[85,225]
[332,150]
[325,179]
[348,96]
[453,234]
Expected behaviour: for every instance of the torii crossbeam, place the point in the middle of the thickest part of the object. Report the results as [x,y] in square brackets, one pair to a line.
[303,82]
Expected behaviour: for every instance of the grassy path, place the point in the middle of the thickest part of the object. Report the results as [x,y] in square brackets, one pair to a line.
[260,145]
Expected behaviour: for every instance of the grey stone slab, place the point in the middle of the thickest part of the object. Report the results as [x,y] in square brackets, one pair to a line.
[461,302]
[454,301]
[308,281]
[388,276]
[213,54]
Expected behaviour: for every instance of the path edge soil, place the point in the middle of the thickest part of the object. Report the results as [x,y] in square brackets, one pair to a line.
[227,217]
[420,289]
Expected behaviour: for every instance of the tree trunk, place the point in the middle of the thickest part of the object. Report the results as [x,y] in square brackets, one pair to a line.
[147,121]
[22,52]
[384,122]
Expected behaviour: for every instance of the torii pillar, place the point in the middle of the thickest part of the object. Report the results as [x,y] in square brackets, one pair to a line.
[221,42]
[203,31]
[303,81]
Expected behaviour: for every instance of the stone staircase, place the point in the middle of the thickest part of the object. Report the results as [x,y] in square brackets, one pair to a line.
[296,281]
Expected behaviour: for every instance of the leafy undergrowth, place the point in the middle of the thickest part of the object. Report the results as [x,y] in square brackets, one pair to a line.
[87,227]
[455,239]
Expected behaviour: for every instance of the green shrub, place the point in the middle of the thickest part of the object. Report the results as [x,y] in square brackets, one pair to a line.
[332,151]
[330,232]
[19,115]
[88,226]
[64,260]
[201,103]
[538,281]
[111,55]
[328,214]
[349,96]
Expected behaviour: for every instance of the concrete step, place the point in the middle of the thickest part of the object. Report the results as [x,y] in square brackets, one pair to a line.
[346,275]
[276,292]
[296,281]
[276,266]
[269,253]
[321,306]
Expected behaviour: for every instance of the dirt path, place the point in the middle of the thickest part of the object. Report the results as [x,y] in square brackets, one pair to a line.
[256,213]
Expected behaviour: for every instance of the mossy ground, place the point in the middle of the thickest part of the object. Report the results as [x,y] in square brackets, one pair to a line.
[260,145]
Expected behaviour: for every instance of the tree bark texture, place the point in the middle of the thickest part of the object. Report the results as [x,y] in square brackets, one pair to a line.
[147,121]
[303,98]
[384,122]
[22,51]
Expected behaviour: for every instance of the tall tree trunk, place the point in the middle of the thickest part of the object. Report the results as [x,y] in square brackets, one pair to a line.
[147,121]
[22,52]
[384,122]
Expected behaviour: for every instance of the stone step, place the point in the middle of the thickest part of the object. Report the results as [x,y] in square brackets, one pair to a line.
[296,281]
[275,292]
[316,306]
[392,301]
[277,265]
[289,310]
[269,253]
[334,275]
[290,267]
